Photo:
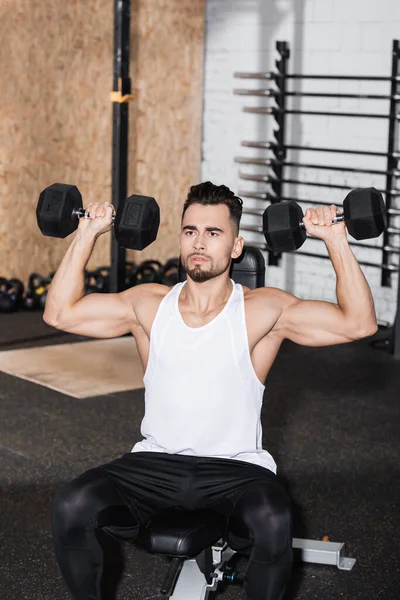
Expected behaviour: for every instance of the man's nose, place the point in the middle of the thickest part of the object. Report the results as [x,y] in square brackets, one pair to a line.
[199,242]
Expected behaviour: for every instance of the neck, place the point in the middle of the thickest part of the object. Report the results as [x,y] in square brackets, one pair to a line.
[206,296]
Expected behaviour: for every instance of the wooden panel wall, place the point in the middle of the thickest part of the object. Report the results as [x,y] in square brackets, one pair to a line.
[56,61]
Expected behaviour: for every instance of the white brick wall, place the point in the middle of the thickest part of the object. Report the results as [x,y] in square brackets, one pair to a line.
[325,37]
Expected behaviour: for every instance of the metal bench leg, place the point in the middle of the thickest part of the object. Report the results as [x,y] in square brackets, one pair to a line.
[322,553]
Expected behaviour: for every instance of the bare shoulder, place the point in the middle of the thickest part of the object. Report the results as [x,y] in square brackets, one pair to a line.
[144,300]
[264,306]
[269,296]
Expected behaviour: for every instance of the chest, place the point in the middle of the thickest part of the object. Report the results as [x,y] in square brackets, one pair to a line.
[259,321]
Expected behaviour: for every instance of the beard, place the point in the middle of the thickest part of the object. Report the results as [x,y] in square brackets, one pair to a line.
[200,274]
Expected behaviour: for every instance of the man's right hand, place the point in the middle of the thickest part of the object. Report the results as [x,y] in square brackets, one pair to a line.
[100,219]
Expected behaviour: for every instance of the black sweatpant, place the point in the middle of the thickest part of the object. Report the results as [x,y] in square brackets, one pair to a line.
[128,492]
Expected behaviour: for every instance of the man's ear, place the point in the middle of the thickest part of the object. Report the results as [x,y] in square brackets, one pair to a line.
[238,247]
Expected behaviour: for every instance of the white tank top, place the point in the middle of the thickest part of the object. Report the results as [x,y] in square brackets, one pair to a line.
[202,395]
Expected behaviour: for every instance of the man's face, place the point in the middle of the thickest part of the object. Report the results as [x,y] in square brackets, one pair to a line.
[208,242]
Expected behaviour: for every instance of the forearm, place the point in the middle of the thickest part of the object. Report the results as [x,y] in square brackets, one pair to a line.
[353,293]
[68,284]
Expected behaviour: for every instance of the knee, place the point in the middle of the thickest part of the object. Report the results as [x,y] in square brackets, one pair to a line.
[272,531]
[270,524]
[72,509]
[277,521]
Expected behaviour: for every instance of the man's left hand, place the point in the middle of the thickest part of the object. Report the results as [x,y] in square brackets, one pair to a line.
[318,222]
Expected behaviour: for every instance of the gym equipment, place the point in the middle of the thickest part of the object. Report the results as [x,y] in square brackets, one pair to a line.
[11,291]
[97,281]
[280,150]
[273,93]
[278,75]
[170,275]
[43,295]
[323,113]
[364,215]
[130,274]
[102,275]
[149,271]
[202,549]
[273,163]
[36,287]
[121,96]
[136,221]
[274,180]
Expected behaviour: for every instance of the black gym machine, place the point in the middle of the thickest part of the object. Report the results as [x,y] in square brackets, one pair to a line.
[277,164]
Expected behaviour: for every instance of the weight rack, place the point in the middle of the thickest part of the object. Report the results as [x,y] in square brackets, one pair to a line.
[280,150]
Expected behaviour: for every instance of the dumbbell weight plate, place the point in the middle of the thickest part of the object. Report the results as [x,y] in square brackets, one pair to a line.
[56,208]
[282,227]
[364,213]
[137,221]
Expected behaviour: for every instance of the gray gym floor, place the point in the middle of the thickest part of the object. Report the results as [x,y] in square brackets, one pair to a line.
[331,419]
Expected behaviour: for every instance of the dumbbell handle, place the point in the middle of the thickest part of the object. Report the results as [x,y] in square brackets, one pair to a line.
[337,219]
[82,213]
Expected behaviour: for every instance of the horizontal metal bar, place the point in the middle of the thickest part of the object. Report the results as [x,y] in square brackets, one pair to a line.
[393,230]
[261,246]
[258,245]
[259,229]
[270,198]
[255,212]
[274,93]
[275,75]
[392,268]
[369,246]
[253,228]
[382,323]
[268,110]
[255,195]
[274,145]
[269,179]
[272,161]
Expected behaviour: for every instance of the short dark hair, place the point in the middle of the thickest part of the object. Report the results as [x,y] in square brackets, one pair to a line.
[207,193]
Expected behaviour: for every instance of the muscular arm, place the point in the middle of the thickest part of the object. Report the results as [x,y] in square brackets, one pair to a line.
[95,315]
[317,323]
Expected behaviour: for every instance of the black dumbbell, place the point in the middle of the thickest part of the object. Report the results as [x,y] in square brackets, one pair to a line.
[136,222]
[364,213]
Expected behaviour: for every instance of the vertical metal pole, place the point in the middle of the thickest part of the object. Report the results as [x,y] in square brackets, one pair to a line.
[395,339]
[392,160]
[279,134]
[122,84]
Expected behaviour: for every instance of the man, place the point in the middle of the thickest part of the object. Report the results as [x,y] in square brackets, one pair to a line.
[206,346]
